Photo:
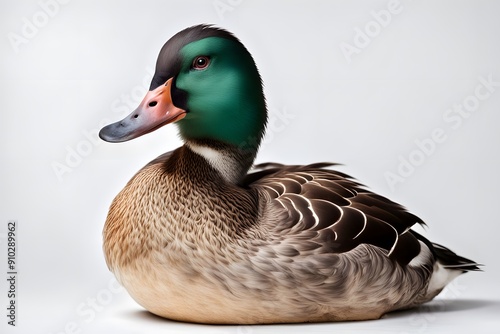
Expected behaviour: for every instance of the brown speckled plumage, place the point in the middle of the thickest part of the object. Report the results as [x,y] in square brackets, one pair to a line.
[192,237]
[190,246]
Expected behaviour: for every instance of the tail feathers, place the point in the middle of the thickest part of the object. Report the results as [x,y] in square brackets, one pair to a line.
[446,257]
[447,267]
[450,260]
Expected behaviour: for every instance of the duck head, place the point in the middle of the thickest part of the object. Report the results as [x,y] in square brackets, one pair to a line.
[208,84]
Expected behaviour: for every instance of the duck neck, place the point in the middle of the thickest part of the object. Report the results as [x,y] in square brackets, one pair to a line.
[231,162]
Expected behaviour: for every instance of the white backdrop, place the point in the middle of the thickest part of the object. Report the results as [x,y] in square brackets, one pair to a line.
[406,94]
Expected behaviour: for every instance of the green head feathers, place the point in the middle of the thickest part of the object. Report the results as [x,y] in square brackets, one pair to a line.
[224,99]
[207,82]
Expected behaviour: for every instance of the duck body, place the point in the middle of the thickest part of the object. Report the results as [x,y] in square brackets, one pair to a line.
[202,249]
[194,237]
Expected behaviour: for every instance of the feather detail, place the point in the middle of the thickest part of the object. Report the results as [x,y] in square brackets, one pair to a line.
[342,210]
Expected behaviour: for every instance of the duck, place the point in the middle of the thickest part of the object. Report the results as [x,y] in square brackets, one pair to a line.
[203,235]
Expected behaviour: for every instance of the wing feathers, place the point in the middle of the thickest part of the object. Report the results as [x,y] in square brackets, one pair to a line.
[326,212]
[342,212]
[313,190]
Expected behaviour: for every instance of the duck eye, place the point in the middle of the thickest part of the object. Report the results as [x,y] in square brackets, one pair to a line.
[201,62]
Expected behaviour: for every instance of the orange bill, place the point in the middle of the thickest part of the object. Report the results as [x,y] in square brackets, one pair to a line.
[155,110]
